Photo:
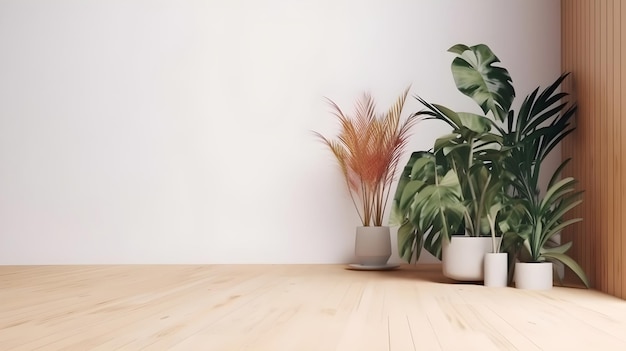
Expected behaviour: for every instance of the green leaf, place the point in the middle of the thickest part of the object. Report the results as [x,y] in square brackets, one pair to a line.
[535,241]
[557,191]
[557,173]
[563,207]
[458,49]
[445,113]
[489,141]
[476,123]
[558,249]
[451,181]
[409,242]
[569,262]
[410,191]
[423,167]
[446,141]
[549,234]
[438,206]
[432,243]
[494,210]
[395,217]
[458,149]
[397,214]
[476,76]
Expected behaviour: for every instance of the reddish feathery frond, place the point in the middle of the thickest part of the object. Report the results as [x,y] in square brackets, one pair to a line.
[368,151]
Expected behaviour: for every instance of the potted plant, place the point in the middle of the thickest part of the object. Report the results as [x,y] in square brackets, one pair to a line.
[367,150]
[541,220]
[496,262]
[452,189]
[484,176]
[543,121]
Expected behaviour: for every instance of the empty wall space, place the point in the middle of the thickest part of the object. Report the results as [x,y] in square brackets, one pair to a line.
[179,131]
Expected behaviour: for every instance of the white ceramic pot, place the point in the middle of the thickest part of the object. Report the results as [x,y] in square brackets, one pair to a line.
[463,256]
[372,246]
[496,269]
[533,276]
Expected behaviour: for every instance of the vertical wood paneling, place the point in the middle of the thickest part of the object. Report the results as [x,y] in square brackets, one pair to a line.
[614,91]
[592,154]
[621,109]
[607,68]
[593,50]
[599,140]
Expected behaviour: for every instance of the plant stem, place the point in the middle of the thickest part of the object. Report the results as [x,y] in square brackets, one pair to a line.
[492,227]
[476,222]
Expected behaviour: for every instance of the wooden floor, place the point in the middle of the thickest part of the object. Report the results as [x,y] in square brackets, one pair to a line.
[294,308]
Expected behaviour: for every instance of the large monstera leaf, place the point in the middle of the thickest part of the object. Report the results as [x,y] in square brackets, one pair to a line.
[439,205]
[413,177]
[476,76]
[427,206]
[417,173]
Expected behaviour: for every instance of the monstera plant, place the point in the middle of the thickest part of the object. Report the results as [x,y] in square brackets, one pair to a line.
[463,174]
[484,175]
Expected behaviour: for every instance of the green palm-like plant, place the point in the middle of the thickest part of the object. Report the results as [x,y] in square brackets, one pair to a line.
[537,222]
[543,121]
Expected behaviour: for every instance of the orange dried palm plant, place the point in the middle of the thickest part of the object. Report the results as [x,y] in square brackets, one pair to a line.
[368,149]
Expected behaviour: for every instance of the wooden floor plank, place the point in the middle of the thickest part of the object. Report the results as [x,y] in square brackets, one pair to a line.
[292,307]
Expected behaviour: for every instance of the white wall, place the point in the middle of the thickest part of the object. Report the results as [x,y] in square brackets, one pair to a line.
[179,131]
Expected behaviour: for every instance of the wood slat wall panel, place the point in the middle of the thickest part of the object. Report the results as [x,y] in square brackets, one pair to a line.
[615,92]
[593,49]
[599,139]
[619,112]
[607,17]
